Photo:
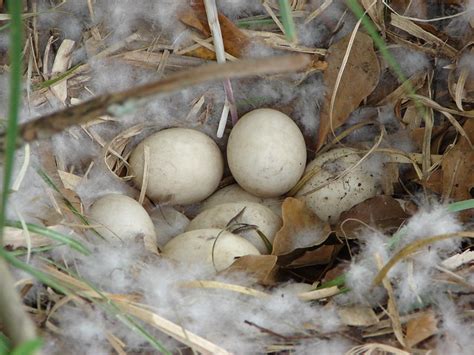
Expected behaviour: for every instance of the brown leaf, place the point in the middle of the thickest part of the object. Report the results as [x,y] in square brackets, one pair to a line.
[421,328]
[323,255]
[358,316]
[301,228]
[458,168]
[235,41]
[382,212]
[360,77]
[262,267]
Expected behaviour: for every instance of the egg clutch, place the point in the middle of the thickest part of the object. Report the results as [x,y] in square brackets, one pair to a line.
[266,155]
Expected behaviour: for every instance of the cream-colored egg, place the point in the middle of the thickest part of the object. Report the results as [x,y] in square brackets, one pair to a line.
[120,218]
[266,152]
[251,214]
[335,197]
[200,247]
[234,193]
[231,193]
[185,166]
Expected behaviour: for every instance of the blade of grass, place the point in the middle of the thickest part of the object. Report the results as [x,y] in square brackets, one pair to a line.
[17,325]
[28,348]
[22,252]
[379,42]
[47,179]
[109,306]
[4,344]
[37,274]
[461,205]
[16,40]
[287,20]
[74,244]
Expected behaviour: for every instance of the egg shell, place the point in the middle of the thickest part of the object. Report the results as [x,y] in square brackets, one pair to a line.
[266,152]
[338,196]
[196,248]
[120,218]
[253,214]
[185,166]
[234,193]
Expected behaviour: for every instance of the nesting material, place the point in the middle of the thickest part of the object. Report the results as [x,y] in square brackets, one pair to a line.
[333,196]
[212,249]
[121,218]
[245,218]
[266,153]
[185,166]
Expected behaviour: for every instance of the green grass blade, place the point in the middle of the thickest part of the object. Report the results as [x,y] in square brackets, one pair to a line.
[38,274]
[58,78]
[287,20]
[16,69]
[28,348]
[74,244]
[461,205]
[380,43]
[68,203]
[4,344]
[111,308]
[22,252]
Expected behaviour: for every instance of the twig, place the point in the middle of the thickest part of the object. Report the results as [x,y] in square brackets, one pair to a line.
[46,126]
[213,20]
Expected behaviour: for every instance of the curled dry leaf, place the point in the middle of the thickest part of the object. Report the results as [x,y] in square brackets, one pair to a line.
[421,328]
[301,228]
[262,267]
[62,62]
[359,79]
[381,212]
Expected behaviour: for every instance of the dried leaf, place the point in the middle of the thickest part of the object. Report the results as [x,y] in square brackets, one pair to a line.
[301,228]
[14,238]
[360,77]
[421,328]
[262,267]
[358,316]
[235,41]
[62,62]
[320,256]
[70,181]
[381,212]
[458,168]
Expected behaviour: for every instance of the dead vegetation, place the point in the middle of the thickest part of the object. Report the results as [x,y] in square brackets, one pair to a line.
[392,275]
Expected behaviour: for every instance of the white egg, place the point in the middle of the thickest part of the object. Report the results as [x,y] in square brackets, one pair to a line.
[266,152]
[251,214]
[200,247]
[231,193]
[234,193]
[120,218]
[335,197]
[185,166]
